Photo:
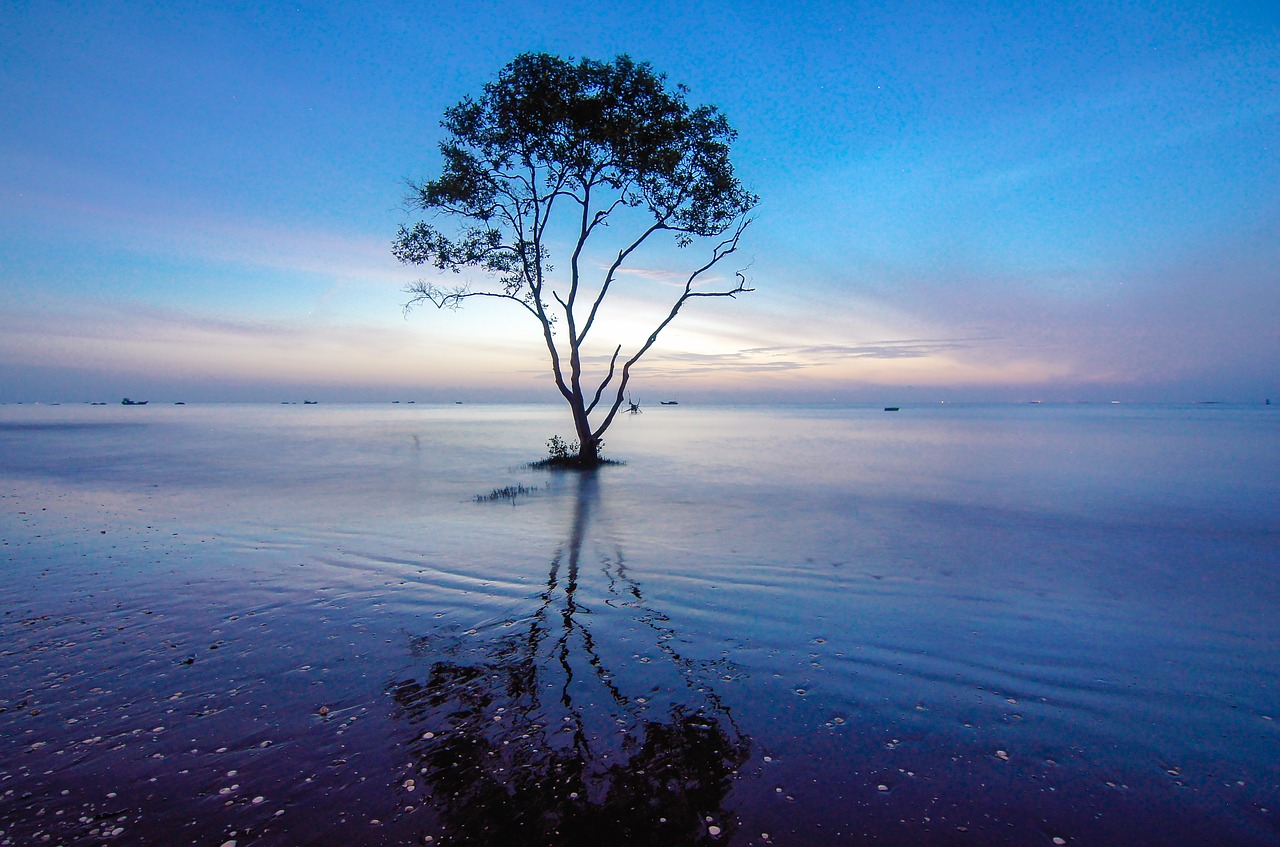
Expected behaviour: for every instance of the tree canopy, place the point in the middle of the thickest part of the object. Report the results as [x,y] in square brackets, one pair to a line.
[549,141]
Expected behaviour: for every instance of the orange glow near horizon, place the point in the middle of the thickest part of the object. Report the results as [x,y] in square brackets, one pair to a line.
[497,350]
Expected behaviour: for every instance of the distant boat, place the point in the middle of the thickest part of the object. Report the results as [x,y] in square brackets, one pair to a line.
[127,402]
[668,402]
[310,402]
[892,408]
[179,403]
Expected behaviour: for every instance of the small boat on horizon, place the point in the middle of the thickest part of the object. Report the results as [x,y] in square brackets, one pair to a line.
[892,408]
[668,402]
[127,402]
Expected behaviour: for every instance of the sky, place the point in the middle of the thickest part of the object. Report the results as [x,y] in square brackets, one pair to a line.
[959,201]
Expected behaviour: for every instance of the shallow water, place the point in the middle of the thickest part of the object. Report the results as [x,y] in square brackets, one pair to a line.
[947,625]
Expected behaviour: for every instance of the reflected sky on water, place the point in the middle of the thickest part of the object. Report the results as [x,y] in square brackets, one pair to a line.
[977,624]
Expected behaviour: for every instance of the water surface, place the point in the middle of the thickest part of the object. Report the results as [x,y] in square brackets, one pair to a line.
[947,625]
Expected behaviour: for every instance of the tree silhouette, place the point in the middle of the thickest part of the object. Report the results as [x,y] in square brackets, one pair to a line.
[537,742]
[553,143]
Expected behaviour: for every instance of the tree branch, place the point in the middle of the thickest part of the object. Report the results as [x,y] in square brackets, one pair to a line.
[600,391]
[613,269]
[441,298]
[723,249]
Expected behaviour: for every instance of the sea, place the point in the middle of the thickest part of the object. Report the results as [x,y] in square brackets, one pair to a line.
[1013,624]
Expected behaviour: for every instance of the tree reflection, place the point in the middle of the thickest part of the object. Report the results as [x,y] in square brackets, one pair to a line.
[576,724]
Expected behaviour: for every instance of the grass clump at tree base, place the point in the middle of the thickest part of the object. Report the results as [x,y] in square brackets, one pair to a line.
[565,455]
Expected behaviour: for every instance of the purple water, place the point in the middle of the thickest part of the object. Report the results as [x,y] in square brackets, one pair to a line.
[947,625]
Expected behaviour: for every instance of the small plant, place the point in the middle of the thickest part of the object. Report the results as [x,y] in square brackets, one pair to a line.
[558,450]
[563,454]
[509,492]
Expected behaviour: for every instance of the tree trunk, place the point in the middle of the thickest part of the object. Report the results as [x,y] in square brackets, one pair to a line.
[588,448]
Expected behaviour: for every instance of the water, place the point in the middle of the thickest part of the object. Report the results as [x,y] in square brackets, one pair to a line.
[948,625]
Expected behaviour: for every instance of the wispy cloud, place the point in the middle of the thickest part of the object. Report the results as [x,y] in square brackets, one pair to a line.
[44,199]
[157,342]
[902,349]
[654,274]
[782,358]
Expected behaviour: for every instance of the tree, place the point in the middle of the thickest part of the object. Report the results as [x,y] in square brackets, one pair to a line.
[552,152]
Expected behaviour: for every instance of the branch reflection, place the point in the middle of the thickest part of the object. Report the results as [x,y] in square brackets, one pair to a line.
[579,723]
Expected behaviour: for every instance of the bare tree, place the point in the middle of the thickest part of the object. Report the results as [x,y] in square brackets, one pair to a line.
[554,144]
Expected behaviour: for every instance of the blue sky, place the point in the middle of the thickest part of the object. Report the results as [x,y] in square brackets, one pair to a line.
[959,201]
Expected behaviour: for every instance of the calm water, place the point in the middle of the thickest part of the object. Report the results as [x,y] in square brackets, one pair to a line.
[950,625]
